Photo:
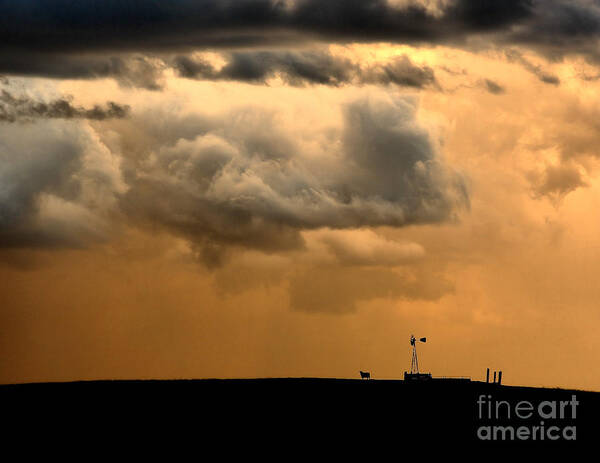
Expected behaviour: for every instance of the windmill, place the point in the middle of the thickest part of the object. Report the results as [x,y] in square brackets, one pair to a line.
[414,365]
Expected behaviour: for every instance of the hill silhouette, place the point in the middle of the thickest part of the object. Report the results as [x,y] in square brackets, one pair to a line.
[340,415]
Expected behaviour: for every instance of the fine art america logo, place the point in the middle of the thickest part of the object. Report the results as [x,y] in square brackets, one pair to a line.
[524,420]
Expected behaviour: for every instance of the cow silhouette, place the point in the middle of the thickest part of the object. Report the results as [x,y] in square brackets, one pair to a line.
[365,375]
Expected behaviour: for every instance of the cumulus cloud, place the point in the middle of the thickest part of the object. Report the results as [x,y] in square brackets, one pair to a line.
[299,68]
[23,108]
[235,180]
[242,181]
[56,183]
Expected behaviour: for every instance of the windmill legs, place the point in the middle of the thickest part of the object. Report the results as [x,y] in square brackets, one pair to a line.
[414,366]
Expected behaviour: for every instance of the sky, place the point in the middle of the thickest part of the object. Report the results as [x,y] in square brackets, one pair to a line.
[291,188]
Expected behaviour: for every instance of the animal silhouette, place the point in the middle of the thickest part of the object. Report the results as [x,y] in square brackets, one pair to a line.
[365,375]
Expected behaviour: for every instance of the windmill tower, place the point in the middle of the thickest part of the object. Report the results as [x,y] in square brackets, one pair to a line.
[414,364]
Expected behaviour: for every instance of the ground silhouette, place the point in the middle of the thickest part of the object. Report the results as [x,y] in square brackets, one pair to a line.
[339,416]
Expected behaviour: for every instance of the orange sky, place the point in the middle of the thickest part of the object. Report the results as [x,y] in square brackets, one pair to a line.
[157,285]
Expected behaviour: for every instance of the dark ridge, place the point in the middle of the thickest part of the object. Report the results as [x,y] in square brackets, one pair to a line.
[298,413]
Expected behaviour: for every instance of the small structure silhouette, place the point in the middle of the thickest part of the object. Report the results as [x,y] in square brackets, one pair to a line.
[487,377]
[365,375]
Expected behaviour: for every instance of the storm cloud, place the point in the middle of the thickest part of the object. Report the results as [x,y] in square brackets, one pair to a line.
[135,24]
[128,70]
[226,181]
[240,181]
[96,38]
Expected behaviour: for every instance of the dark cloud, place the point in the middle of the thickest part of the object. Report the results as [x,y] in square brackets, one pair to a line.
[561,27]
[399,71]
[63,29]
[22,108]
[549,79]
[133,41]
[136,24]
[493,87]
[294,67]
[129,71]
[555,182]
[243,182]
[516,57]
[299,68]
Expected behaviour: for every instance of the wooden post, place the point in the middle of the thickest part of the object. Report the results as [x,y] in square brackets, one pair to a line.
[500,377]
[487,376]
[494,377]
